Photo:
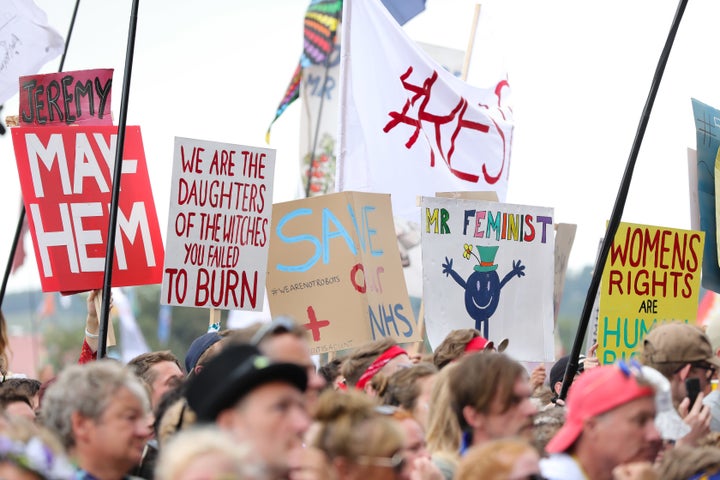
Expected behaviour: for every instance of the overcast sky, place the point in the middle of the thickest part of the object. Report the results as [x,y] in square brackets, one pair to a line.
[580,73]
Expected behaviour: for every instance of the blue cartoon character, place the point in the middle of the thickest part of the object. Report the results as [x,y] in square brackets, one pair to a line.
[482,288]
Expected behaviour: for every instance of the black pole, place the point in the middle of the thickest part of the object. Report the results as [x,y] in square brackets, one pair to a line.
[21,217]
[112,225]
[320,109]
[617,212]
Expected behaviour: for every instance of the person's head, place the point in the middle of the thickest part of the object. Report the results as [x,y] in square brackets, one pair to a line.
[285,341]
[503,459]
[206,452]
[159,371]
[201,350]
[557,372]
[491,397]
[382,356]
[332,375]
[455,343]
[415,446]
[100,411]
[30,452]
[410,389]
[610,419]
[680,351]
[358,441]
[15,404]
[28,387]
[255,399]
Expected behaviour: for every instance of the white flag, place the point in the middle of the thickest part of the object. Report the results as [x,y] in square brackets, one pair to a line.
[407,126]
[132,340]
[27,43]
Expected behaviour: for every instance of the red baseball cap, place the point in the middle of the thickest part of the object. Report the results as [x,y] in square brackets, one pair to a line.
[597,391]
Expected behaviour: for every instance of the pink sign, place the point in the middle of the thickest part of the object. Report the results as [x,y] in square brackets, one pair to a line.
[68,98]
[65,175]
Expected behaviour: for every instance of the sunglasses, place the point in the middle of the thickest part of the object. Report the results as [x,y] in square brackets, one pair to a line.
[396,462]
[705,366]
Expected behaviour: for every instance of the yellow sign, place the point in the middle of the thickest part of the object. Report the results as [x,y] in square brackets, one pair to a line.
[652,275]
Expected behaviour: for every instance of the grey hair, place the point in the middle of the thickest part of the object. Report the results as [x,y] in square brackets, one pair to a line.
[86,389]
[188,445]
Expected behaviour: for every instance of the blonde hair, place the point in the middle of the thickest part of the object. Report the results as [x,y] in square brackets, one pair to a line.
[190,445]
[350,427]
[443,430]
[493,460]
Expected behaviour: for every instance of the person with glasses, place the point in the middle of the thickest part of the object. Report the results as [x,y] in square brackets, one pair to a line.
[358,441]
[680,352]
[610,422]
[490,396]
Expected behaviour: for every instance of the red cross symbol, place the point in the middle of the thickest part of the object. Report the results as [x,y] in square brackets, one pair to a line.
[314,325]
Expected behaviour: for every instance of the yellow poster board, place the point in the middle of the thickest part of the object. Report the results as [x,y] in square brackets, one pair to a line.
[652,275]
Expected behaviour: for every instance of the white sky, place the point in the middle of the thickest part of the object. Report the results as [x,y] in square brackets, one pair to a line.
[580,73]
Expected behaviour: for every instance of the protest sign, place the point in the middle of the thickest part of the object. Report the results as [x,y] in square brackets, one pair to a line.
[65,175]
[218,225]
[81,97]
[334,266]
[489,266]
[652,274]
[707,133]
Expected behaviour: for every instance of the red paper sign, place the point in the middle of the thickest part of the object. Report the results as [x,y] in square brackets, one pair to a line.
[65,175]
[68,98]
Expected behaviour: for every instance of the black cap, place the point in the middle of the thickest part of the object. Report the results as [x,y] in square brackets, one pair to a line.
[232,374]
[558,369]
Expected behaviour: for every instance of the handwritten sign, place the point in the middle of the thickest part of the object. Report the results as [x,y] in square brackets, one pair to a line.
[652,275]
[81,97]
[489,266]
[335,267]
[218,225]
[65,175]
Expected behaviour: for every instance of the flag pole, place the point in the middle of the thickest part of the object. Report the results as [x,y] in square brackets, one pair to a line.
[21,218]
[342,130]
[617,212]
[471,43]
[112,225]
[316,135]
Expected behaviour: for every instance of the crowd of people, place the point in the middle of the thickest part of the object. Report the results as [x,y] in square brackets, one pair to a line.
[252,404]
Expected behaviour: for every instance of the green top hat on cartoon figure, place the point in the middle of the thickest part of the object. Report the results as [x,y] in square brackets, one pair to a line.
[487,258]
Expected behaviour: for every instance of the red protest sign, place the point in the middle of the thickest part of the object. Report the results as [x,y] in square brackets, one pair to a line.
[65,175]
[81,97]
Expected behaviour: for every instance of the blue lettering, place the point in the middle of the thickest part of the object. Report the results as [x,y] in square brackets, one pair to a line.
[298,238]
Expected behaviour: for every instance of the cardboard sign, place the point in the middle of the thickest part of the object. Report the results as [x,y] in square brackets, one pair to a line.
[218,225]
[335,267]
[65,175]
[82,97]
[652,275]
[489,266]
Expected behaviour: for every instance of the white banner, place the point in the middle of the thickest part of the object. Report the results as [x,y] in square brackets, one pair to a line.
[407,126]
[27,43]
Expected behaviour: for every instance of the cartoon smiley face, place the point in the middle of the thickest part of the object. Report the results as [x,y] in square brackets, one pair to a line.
[482,294]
